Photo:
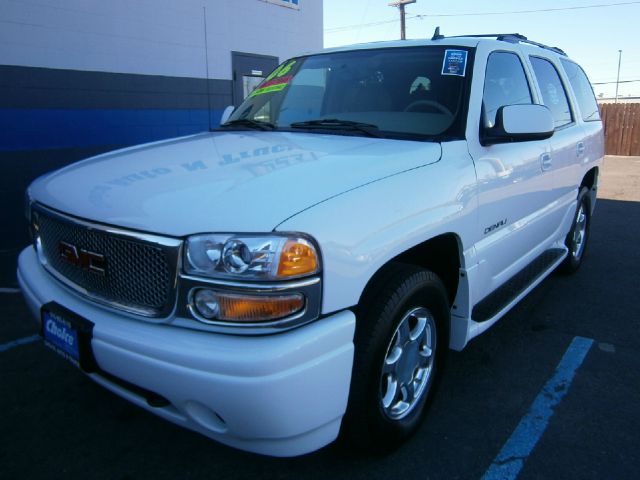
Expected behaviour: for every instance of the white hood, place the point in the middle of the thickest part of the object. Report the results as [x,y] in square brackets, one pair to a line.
[224,181]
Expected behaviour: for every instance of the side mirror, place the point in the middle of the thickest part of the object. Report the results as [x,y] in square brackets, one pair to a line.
[226,114]
[519,123]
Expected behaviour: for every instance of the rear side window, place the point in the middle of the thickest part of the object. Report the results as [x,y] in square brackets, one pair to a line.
[583,91]
[505,83]
[553,94]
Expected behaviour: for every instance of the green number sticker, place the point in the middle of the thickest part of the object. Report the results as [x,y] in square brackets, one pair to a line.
[281,71]
[277,81]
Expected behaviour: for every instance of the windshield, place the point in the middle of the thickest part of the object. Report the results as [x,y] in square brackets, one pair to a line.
[414,92]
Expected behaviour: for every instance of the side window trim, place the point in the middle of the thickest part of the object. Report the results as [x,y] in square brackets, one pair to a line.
[568,93]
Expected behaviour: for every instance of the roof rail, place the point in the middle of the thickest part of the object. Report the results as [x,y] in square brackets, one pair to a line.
[503,37]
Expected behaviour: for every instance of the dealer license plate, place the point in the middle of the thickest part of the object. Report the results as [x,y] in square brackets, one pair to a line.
[66,333]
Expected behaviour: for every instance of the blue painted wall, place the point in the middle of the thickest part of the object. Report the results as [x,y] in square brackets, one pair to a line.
[46,128]
[52,117]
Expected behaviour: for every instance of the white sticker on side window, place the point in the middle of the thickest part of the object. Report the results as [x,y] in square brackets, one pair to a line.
[455,62]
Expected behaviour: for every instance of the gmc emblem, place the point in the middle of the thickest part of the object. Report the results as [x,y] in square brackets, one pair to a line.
[86,260]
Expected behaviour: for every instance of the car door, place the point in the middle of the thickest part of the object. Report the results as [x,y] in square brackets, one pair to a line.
[514,191]
[590,148]
[249,69]
[567,142]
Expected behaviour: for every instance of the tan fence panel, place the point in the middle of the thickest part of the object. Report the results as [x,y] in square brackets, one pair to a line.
[622,128]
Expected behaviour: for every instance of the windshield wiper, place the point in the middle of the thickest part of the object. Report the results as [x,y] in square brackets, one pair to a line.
[337,124]
[247,122]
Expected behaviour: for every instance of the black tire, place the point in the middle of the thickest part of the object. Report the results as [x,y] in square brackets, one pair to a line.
[577,238]
[402,300]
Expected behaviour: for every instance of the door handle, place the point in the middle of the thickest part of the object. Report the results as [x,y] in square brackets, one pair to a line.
[580,148]
[545,159]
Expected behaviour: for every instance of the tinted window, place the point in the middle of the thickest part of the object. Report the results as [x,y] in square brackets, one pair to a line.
[405,92]
[553,93]
[505,83]
[306,93]
[583,91]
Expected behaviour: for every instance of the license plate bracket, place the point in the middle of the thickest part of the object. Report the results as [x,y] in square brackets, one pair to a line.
[68,334]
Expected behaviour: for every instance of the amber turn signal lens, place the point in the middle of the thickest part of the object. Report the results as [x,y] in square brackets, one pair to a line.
[297,258]
[231,307]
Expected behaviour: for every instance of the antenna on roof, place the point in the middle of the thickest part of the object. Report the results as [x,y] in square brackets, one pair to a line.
[436,34]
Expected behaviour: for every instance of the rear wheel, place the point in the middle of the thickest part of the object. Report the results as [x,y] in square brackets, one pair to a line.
[576,240]
[401,339]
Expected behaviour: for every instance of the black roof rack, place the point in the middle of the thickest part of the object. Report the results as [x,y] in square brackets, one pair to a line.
[503,37]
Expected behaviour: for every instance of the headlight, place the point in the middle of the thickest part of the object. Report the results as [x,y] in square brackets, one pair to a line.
[250,257]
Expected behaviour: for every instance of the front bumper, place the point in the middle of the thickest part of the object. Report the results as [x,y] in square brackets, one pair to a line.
[280,395]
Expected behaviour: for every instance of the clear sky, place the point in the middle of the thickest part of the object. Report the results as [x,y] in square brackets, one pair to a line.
[590,31]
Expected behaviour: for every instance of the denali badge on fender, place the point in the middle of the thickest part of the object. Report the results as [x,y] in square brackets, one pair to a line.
[86,260]
[491,228]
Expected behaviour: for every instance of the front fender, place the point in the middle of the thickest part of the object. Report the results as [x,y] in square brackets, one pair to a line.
[363,229]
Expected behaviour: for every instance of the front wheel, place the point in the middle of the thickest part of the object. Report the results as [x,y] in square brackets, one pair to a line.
[401,338]
[408,364]
[576,240]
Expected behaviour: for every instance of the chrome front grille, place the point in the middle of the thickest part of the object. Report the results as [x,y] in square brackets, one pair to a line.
[137,271]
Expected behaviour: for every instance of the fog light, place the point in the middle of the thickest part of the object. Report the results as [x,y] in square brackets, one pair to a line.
[234,307]
[206,304]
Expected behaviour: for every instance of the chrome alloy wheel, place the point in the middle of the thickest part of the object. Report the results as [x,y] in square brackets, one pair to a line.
[408,363]
[579,233]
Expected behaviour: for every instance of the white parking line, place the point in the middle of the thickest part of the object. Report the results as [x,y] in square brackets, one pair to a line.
[9,290]
[16,343]
[510,460]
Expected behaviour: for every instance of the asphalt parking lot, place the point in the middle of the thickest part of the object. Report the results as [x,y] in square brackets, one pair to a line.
[56,423]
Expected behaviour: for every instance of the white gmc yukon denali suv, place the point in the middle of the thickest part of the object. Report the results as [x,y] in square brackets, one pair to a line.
[300,271]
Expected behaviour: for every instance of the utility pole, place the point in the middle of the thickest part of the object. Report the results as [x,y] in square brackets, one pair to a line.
[400,4]
[618,79]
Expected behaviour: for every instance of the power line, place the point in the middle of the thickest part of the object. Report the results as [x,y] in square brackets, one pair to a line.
[351,27]
[364,15]
[517,12]
[476,14]
[621,81]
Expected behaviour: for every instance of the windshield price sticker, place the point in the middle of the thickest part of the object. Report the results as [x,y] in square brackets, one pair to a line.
[455,62]
[271,86]
[277,81]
